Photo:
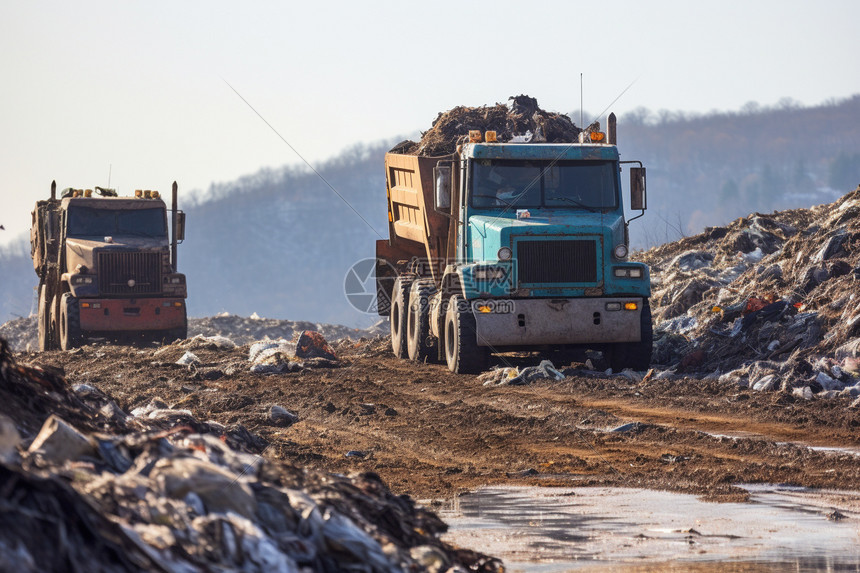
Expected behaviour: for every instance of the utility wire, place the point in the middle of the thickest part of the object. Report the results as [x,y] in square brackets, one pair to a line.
[306,162]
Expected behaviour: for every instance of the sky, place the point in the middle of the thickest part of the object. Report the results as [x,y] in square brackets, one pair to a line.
[137,95]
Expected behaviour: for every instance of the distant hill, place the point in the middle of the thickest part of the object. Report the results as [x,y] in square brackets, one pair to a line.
[280,242]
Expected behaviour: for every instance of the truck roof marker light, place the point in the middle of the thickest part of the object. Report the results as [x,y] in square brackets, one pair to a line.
[490,137]
[88,193]
[597,136]
[631,306]
[474,136]
[147,194]
[138,193]
[156,194]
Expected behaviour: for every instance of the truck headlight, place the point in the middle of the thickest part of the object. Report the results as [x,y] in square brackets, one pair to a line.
[488,273]
[82,280]
[620,251]
[628,272]
[505,254]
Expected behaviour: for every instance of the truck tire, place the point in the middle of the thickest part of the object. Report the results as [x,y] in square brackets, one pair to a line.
[635,355]
[398,314]
[45,341]
[418,322]
[71,335]
[54,323]
[462,352]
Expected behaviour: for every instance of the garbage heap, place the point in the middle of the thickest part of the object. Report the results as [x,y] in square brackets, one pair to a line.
[770,301]
[520,117]
[20,333]
[86,487]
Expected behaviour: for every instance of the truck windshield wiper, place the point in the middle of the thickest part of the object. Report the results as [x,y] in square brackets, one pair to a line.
[575,202]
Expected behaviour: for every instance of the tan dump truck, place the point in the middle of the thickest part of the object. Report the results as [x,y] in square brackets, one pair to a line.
[107,267]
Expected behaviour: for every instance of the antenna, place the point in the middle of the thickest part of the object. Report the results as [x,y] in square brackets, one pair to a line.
[580,101]
[110,169]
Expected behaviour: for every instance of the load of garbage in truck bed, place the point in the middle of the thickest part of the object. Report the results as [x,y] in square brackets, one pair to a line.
[89,487]
[521,118]
[770,301]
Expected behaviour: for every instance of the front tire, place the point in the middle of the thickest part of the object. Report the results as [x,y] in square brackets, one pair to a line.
[418,322]
[71,335]
[462,352]
[635,355]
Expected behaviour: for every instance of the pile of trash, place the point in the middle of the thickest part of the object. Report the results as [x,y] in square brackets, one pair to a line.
[21,333]
[88,487]
[514,376]
[769,301]
[310,350]
[521,118]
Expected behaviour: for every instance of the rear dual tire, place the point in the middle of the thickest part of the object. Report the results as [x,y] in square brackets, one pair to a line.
[398,314]
[420,344]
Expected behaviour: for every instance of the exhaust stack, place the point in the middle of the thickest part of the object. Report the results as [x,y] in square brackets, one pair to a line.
[173,223]
[610,130]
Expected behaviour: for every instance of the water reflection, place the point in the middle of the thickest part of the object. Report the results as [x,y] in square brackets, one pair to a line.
[552,529]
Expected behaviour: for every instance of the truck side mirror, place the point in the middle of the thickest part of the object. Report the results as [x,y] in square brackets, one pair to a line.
[638,197]
[442,187]
[180,226]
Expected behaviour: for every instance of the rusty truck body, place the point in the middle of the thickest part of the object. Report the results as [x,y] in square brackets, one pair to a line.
[107,266]
[513,246]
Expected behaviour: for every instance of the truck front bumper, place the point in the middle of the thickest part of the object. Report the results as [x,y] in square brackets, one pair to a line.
[114,315]
[531,322]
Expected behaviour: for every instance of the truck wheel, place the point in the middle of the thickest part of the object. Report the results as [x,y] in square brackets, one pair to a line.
[44,320]
[70,323]
[54,323]
[398,314]
[635,355]
[418,321]
[462,352]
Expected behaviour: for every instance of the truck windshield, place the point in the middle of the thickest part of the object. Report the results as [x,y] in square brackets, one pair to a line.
[87,222]
[590,185]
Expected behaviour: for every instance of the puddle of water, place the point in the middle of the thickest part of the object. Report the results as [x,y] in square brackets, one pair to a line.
[553,529]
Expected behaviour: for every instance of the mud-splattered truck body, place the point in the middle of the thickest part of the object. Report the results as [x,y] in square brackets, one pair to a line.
[107,267]
[513,246]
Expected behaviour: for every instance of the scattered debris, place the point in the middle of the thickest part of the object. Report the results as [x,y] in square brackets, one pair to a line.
[221,331]
[169,492]
[513,376]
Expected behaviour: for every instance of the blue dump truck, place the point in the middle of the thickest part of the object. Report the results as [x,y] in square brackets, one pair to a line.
[515,246]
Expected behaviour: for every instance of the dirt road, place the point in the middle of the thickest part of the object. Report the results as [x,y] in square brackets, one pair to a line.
[432,434]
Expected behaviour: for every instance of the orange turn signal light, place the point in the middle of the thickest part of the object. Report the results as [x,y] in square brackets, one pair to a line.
[597,136]
[630,306]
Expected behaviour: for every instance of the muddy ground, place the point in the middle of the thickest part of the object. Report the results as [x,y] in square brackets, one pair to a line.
[433,434]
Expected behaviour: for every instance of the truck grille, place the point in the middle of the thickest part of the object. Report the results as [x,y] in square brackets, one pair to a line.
[557,261]
[116,269]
